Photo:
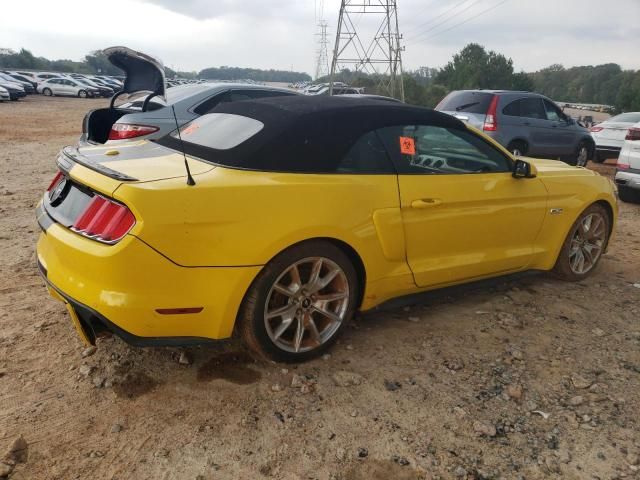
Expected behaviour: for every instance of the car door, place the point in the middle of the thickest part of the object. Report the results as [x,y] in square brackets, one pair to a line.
[55,84]
[562,136]
[533,117]
[464,214]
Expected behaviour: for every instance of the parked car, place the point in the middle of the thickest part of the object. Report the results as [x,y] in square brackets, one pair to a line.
[67,87]
[22,78]
[151,115]
[4,94]
[104,91]
[28,75]
[628,170]
[338,91]
[525,123]
[16,91]
[294,213]
[42,76]
[28,87]
[610,134]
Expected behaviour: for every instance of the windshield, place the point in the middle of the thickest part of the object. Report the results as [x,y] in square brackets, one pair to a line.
[220,131]
[631,117]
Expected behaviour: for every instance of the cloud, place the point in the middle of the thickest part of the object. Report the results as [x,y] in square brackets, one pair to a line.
[194,34]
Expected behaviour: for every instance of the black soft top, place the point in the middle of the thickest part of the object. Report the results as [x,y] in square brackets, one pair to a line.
[308,133]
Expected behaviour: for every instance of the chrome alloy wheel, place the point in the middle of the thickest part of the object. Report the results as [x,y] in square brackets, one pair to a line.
[587,243]
[306,304]
[583,156]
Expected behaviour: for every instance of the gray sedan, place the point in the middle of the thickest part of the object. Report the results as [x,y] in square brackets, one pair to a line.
[151,118]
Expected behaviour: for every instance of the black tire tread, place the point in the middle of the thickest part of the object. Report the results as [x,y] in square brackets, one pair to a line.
[250,319]
[562,269]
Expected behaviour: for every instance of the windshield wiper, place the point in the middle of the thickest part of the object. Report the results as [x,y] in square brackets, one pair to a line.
[466,105]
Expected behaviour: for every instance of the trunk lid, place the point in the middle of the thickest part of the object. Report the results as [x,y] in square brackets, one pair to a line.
[614,131]
[143,72]
[141,161]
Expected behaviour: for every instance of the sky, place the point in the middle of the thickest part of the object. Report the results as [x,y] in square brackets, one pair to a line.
[193,34]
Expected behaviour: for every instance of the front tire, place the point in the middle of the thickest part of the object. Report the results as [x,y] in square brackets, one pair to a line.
[47,92]
[584,245]
[82,94]
[299,303]
[518,148]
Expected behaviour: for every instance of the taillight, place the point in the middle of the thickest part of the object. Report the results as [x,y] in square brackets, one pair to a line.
[55,180]
[123,131]
[491,120]
[622,165]
[633,134]
[596,129]
[104,220]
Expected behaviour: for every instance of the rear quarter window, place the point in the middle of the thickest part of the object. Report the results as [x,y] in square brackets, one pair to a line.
[220,131]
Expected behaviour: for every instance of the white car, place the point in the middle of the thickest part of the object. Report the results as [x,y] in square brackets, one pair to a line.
[628,173]
[4,94]
[67,87]
[609,135]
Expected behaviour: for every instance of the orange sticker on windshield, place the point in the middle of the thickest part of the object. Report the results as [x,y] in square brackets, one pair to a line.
[407,146]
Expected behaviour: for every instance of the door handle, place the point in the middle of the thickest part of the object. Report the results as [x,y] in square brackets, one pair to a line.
[426,203]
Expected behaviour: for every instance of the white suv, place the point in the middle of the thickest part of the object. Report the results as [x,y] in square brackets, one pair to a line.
[628,172]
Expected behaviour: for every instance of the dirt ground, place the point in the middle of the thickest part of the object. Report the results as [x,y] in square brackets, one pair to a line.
[520,379]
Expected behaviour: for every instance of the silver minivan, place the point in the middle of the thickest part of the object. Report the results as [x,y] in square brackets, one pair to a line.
[525,123]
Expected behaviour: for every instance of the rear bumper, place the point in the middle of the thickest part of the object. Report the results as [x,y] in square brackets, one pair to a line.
[628,178]
[613,150]
[120,288]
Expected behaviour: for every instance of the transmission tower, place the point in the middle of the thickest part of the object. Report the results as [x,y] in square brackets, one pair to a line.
[322,64]
[382,55]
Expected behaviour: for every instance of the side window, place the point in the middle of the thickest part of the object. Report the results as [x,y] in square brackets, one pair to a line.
[553,112]
[211,103]
[513,109]
[367,155]
[427,149]
[532,108]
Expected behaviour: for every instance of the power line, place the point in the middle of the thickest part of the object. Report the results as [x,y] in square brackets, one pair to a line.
[437,17]
[463,22]
[434,27]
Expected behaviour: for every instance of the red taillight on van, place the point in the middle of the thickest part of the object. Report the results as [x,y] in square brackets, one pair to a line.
[596,129]
[491,120]
[633,134]
[124,131]
[104,220]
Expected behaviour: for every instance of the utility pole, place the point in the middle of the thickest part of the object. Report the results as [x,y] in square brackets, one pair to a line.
[322,64]
[382,55]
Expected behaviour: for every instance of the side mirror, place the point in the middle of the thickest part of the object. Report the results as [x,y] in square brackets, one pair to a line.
[522,169]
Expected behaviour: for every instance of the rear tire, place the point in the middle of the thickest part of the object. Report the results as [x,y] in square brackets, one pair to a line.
[47,92]
[586,242]
[581,157]
[82,94]
[518,148]
[286,315]
[628,195]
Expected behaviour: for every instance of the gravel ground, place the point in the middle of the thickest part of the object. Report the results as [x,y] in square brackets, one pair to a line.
[520,378]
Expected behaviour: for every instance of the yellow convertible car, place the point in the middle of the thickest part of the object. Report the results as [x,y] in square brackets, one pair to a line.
[279,218]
